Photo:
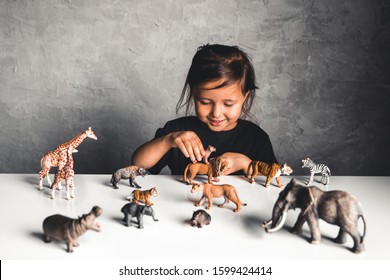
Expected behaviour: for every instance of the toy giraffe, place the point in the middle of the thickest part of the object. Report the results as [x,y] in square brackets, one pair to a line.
[67,174]
[58,157]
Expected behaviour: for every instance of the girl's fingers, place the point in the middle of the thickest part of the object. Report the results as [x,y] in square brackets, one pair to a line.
[190,145]
[183,149]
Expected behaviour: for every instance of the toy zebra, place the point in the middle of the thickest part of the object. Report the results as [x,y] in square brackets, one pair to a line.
[317,168]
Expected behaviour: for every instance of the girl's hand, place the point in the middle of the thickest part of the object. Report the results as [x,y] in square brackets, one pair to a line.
[189,144]
[236,162]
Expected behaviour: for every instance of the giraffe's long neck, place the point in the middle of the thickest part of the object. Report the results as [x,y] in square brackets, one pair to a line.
[77,140]
[70,162]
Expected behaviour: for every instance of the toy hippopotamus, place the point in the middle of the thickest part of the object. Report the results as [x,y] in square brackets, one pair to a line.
[60,227]
[200,218]
[137,210]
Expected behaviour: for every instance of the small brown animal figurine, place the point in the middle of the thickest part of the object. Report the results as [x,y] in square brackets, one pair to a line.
[210,191]
[273,170]
[60,227]
[144,196]
[58,157]
[219,166]
[129,172]
[213,169]
[67,174]
[194,168]
[210,149]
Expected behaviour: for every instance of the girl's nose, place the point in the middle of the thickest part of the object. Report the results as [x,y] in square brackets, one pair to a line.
[216,111]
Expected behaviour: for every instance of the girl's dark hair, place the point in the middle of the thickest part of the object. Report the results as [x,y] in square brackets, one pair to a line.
[215,62]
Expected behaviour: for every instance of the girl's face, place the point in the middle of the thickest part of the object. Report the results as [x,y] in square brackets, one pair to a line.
[219,108]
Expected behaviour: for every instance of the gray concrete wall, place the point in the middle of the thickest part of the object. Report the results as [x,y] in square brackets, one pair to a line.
[119,67]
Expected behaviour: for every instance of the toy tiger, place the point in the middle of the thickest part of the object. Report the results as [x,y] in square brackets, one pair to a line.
[139,196]
[273,170]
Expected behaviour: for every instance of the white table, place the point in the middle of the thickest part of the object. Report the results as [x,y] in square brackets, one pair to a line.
[229,236]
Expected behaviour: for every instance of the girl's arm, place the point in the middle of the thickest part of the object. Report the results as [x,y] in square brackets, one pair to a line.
[151,152]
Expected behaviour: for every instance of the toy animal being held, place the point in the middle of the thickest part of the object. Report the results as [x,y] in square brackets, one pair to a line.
[210,191]
[139,196]
[273,170]
[210,149]
[136,210]
[334,207]
[57,157]
[129,172]
[316,168]
[200,218]
[60,227]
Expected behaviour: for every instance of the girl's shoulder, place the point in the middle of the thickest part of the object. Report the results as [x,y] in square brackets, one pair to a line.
[246,124]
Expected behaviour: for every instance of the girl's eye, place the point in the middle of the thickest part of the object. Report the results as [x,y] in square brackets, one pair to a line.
[229,104]
[204,102]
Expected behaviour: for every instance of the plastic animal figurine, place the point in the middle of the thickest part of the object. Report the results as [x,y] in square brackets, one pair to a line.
[136,210]
[139,196]
[200,218]
[67,174]
[129,172]
[316,168]
[58,156]
[273,170]
[212,169]
[60,227]
[210,191]
[219,166]
[334,207]
[194,168]
[210,149]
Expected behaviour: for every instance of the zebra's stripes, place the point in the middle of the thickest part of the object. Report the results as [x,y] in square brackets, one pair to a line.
[317,168]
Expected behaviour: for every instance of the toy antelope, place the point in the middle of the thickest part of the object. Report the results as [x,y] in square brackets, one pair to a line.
[58,156]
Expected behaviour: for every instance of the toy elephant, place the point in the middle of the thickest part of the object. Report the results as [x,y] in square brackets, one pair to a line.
[60,227]
[335,207]
[137,210]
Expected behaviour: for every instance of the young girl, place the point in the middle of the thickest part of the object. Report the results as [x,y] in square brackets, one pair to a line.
[221,86]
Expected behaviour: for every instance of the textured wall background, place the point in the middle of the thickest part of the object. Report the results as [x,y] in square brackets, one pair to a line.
[119,66]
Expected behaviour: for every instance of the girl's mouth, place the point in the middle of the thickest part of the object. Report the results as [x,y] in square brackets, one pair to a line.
[215,122]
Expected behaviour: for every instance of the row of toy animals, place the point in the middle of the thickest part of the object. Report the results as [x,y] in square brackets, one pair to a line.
[335,207]
[62,158]
[218,166]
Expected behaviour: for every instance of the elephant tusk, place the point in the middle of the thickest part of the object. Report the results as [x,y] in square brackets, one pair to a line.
[279,225]
[266,224]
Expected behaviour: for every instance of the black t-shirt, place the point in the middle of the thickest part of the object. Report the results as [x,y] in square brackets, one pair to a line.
[246,138]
